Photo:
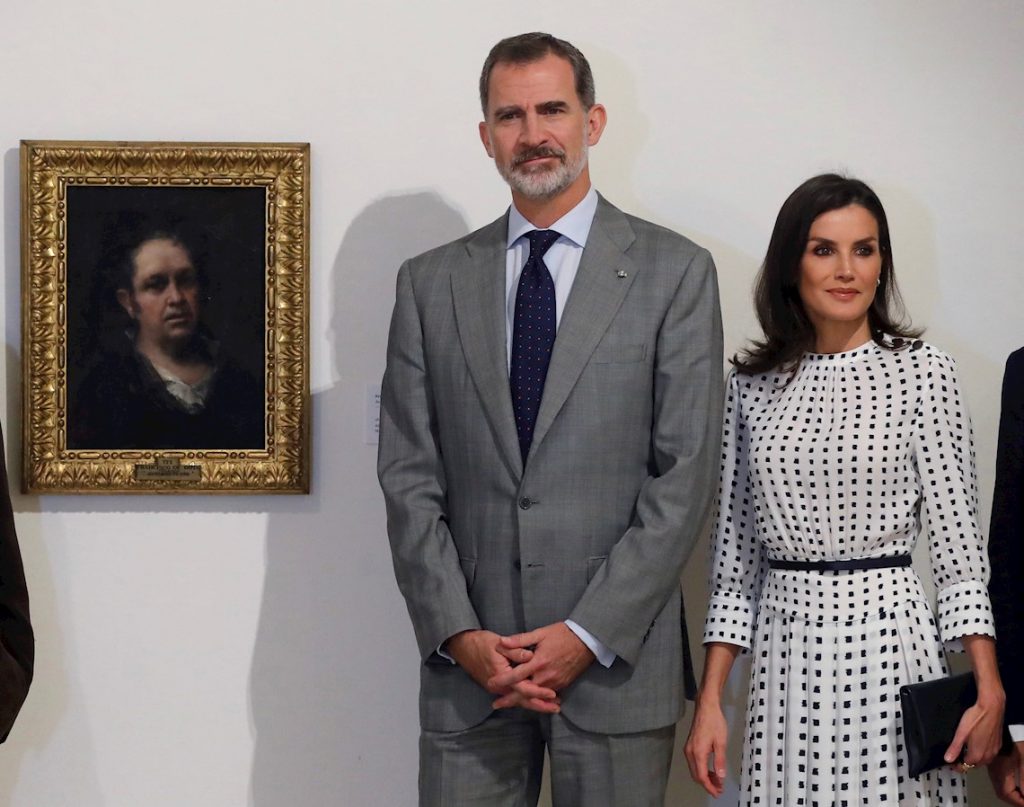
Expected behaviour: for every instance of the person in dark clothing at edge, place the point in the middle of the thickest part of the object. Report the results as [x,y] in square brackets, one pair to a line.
[17,642]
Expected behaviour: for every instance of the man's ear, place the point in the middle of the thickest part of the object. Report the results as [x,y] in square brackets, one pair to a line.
[124,297]
[485,138]
[597,117]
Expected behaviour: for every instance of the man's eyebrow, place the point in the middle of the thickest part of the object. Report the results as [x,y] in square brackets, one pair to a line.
[505,110]
[552,106]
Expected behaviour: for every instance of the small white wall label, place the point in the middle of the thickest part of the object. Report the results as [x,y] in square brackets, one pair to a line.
[371,428]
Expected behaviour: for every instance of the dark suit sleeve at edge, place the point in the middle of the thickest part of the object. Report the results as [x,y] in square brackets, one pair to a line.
[632,586]
[412,476]
[1006,539]
[17,643]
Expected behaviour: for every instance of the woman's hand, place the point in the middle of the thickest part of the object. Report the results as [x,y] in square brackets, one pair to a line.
[705,747]
[980,733]
[980,730]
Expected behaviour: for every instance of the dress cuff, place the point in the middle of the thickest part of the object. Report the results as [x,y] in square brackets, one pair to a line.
[730,620]
[964,610]
[605,657]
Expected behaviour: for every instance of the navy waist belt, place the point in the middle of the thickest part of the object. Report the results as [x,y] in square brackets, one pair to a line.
[854,564]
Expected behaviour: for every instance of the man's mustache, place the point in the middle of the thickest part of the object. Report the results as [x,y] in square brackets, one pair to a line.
[537,153]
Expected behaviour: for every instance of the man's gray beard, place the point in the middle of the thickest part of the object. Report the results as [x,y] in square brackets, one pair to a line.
[545,184]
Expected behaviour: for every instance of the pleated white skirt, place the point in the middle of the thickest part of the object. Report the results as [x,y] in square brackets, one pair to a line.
[824,728]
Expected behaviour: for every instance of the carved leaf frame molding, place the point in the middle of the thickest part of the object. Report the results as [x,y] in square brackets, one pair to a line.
[48,168]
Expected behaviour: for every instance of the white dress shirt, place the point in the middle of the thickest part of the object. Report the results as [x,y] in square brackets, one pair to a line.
[562,260]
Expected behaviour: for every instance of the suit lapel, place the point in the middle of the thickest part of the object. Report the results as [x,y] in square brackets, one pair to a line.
[478,292]
[596,295]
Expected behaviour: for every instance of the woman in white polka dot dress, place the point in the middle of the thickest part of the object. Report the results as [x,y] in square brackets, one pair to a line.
[843,433]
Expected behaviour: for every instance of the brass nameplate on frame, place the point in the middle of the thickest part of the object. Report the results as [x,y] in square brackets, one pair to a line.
[164,469]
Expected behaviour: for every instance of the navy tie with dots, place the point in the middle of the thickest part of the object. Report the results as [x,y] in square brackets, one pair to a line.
[533,336]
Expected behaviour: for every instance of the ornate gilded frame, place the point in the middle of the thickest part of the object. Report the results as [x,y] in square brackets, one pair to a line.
[48,170]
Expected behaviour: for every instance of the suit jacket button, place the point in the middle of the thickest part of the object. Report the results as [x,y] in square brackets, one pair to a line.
[525,503]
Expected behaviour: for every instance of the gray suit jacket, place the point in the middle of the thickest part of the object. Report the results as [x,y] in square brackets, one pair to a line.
[617,484]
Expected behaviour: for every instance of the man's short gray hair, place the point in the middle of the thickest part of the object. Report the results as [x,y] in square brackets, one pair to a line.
[526,48]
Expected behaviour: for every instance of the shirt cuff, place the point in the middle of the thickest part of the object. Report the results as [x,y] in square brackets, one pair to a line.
[1017,733]
[604,656]
[444,653]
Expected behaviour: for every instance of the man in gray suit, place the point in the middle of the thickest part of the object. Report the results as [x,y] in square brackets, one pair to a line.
[548,448]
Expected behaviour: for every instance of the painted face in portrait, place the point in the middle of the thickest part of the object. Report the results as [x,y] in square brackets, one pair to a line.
[840,268]
[164,298]
[537,130]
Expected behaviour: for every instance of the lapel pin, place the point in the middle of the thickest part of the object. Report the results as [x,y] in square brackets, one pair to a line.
[622,273]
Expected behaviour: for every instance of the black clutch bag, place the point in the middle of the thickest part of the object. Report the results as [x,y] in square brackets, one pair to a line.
[931,714]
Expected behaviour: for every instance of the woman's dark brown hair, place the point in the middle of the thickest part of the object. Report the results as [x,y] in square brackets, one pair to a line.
[788,332]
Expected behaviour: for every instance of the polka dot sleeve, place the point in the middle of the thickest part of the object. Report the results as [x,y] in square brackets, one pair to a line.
[944,455]
[737,562]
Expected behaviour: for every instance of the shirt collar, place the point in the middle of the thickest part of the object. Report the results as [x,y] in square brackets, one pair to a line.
[574,225]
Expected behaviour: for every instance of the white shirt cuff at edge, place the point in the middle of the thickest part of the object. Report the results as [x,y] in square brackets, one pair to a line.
[444,653]
[1017,733]
[604,656]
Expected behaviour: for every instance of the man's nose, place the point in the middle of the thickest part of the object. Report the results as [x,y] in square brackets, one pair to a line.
[534,132]
[174,293]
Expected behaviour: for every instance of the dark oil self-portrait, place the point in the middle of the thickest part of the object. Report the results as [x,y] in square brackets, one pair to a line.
[166,318]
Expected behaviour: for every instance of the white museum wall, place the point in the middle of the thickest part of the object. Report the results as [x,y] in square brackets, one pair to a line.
[213,651]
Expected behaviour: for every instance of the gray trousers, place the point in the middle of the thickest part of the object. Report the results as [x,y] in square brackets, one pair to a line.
[499,763]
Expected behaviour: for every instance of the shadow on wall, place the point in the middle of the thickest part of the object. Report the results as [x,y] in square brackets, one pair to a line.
[615,163]
[334,676]
[613,160]
[912,231]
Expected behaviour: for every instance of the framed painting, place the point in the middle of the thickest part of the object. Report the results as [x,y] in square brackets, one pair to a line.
[165,317]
